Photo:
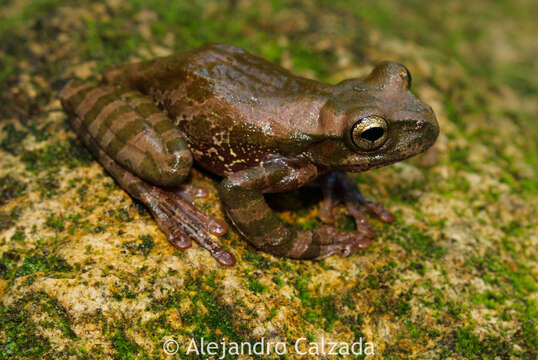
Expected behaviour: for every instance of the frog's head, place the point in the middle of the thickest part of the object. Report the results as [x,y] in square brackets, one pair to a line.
[374,121]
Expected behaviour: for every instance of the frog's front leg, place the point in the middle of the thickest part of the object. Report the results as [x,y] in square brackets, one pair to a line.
[145,153]
[242,196]
[337,186]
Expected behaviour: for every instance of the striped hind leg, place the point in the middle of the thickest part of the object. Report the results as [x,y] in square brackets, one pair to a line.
[115,123]
[130,129]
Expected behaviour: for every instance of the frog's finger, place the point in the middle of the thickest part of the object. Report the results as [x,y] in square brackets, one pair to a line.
[325,212]
[329,199]
[360,219]
[378,209]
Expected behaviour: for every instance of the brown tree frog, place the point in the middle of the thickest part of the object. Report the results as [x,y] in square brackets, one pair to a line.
[260,127]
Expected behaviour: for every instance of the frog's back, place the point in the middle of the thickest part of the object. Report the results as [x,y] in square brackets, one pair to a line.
[233,71]
[236,108]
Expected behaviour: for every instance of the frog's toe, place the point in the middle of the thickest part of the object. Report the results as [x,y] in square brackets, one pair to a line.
[180,240]
[335,243]
[182,210]
[182,222]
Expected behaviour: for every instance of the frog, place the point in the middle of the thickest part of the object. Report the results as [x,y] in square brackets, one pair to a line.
[260,129]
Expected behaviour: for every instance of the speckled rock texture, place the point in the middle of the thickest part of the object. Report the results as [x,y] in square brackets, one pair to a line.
[86,274]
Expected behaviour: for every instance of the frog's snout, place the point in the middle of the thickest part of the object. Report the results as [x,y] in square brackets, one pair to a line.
[422,131]
[428,125]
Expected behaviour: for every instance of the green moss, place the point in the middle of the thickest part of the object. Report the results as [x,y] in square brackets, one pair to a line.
[528,337]
[418,267]
[10,38]
[272,314]
[8,263]
[256,286]
[12,139]
[308,224]
[278,281]
[414,329]
[414,240]
[123,215]
[489,299]
[49,264]
[144,245]
[495,272]
[54,156]
[345,224]
[126,293]
[18,236]
[10,188]
[7,68]
[405,192]
[371,282]
[206,316]
[217,318]
[126,349]
[56,222]
[6,221]
[470,345]
[402,305]
[171,301]
[30,11]
[60,317]
[307,59]
[48,185]
[110,37]
[258,260]
[319,310]
[21,336]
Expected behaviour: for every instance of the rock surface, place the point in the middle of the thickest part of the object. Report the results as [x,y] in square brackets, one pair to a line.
[85,272]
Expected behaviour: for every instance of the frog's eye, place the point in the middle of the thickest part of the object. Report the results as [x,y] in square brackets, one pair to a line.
[406,76]
[369,133]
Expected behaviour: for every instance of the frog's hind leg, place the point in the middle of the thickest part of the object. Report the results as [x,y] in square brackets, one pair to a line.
[132,130]
[173,212]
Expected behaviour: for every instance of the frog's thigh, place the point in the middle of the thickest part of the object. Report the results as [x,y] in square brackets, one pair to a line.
[131,130]
[241,194]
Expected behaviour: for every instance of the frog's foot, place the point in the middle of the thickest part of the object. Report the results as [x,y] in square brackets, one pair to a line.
[330,241]
[338,187]
[174,212]
[182,222]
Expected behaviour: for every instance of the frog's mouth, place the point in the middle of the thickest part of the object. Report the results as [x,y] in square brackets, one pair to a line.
[406,139]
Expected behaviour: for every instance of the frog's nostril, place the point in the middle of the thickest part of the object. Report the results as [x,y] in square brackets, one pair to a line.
[373,133]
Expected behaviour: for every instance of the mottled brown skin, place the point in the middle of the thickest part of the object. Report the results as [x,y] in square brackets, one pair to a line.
[259,126]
